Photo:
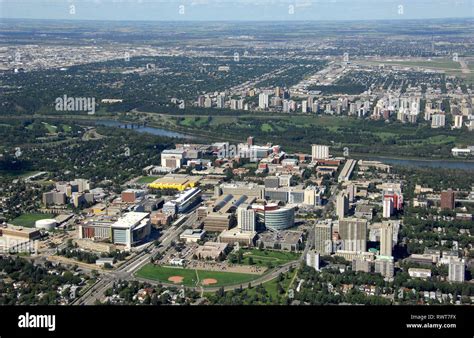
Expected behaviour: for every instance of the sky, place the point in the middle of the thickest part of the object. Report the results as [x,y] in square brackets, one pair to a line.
[245,10]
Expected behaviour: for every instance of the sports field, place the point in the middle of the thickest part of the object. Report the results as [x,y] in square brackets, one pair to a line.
[190,277]
[28,220]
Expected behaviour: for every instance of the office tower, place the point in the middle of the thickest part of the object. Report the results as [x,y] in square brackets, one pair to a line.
[319,152]
[246,218]
[387,207]
[386,239]
[323,238]
[353,233]
[447,199]
[342,205]
[263,101]
[312,259]
[351,191]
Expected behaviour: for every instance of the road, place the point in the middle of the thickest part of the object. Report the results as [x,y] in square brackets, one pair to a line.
[126,270]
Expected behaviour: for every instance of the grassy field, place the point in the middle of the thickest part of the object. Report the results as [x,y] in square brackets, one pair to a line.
[146,179]
[28,220]
[163,273]
[265,257]
[271,286]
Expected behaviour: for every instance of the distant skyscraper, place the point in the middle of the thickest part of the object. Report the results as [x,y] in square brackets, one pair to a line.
[353,232]
[447,199]
[220,101]
[319,152]
[386,239]
[263,101]
[304,106]
[458,121]
[342,205]
[387,207]
[438,120]
[323,238]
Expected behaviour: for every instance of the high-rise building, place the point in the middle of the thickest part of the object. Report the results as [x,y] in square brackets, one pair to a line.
[351,191]
[387,207]
[220,101]
[342,205]
[353,233]
[319,152]
[263,101]
[323,238]
[386,239]
[447,199]
[384,265]
[312,259]
[458,119]
[304,106]
[438,120]
[246,218]
[456,270]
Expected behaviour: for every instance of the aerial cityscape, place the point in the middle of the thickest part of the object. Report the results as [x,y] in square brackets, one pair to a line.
[201,157]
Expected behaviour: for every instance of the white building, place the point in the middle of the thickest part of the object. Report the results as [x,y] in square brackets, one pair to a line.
[312,259]
[319,152]
[387,207]
[263,101]
[456,270]
[246,218]
[438,120]
[419,273]
[172,158]
[131,229]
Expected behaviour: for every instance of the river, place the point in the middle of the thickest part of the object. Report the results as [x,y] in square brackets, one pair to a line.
[455,164]
[143,129]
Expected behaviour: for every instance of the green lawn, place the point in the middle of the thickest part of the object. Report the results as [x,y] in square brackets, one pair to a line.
[271,286]
[162,273]
[28,220]
[146,179]
[266,257]
[266,127]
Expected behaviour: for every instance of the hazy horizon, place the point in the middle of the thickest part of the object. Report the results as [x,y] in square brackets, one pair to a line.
[236,10]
